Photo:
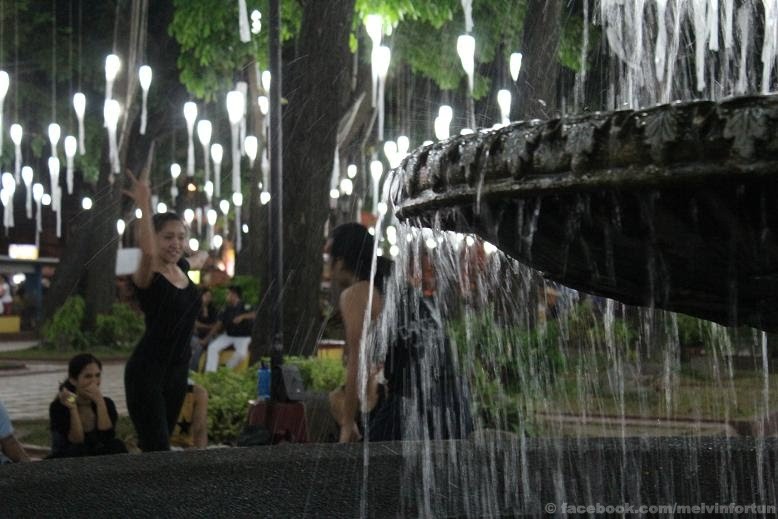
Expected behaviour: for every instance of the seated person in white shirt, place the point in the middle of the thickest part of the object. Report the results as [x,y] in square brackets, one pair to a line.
[234,329]
[11,450]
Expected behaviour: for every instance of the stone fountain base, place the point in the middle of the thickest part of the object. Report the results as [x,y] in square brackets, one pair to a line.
[498,477]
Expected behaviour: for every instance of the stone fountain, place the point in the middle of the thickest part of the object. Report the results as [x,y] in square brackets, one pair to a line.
[669,207]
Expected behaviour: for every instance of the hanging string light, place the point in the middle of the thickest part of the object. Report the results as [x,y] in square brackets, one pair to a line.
[374,28]
[16,137]
[79,105]
[175,171]
[224,206]
[56,192]
[466,52]
[265,80]
[27,174]
[37,195]
[443,122]
[208,188]
[144,78]
[504,102]
[204,131]
[243,22]
[243,88]
[251,145]
[235,110]
[111,112]
[351,171]
[515,65]
[190,114]
[120,226]
[382,56]
[5,82]
[211,215]
[112,66]
[237,201]
[55,132]
[7,198]
[71,145]
[376,170]
[217,154]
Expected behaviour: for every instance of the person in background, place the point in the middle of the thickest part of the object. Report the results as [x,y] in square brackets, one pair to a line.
[11,451]
[6,296]
[236,321]
[206,320]
[191,430]
[351,255]
[82,420]
[155,377]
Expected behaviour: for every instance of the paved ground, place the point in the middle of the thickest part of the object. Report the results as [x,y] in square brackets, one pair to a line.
[27,393]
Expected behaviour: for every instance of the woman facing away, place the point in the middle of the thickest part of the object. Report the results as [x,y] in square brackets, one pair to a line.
[422,395]
[351,255]
[155,377]
[82,420]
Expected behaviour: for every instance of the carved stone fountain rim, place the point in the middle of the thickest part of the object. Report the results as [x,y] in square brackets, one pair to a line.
[652,147]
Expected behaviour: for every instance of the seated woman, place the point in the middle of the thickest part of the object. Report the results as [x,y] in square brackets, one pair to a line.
[81,419]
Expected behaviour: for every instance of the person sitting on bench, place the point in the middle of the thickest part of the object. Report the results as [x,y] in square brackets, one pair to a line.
[236,321]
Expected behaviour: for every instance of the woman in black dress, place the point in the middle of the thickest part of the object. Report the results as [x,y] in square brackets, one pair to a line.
[82,420]
[155,377]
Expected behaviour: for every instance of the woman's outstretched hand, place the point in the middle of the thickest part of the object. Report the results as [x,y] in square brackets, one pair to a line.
[140,189]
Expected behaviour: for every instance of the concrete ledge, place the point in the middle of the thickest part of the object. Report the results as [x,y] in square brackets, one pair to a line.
[498,475]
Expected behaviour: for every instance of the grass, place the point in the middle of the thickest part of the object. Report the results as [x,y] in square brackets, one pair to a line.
[44,353]
[36,432]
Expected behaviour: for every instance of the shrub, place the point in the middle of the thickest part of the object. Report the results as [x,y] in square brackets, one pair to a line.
[228,395]
[63,330]
[229,392]
[122,327]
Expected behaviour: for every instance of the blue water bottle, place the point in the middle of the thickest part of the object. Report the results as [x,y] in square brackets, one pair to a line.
[263,382]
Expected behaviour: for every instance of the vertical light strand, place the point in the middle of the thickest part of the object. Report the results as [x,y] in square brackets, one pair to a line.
[53,60]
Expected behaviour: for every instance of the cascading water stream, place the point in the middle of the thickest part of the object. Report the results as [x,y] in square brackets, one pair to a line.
[547,369]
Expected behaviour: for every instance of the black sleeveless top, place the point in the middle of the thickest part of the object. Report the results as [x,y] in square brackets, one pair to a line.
[170,313]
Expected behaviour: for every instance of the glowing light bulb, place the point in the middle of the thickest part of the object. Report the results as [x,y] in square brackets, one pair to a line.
[86,203]
[162,207]
[264,197]
[120,226]
[265,80]
[251,144]
[175,170]
[515,65]
[264,104]
[224,205]
[188,216]
[237,199]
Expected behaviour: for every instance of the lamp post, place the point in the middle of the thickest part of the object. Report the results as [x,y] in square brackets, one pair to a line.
[111,112]
[236,106]
[27,179]
[217,154]
[144,78]
[466,51]
[16,137]
[190,114]
[112,66]
[5,82]
[204,132]
[79,106]
[71,147]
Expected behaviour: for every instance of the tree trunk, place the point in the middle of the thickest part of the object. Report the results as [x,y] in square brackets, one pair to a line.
[536,89]
[317,86]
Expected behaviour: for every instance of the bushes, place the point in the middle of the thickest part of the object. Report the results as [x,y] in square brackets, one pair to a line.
[228,395]
[63,331]
[120,329]
[229,392]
